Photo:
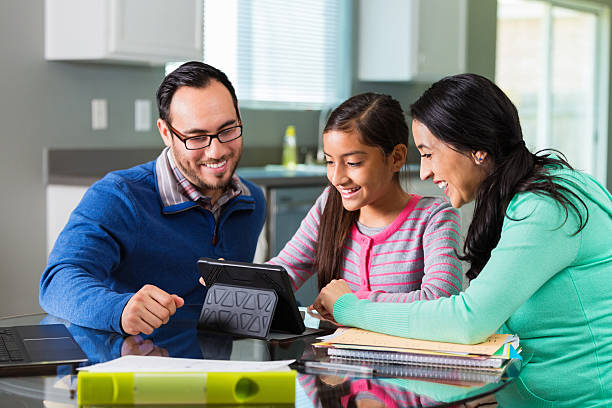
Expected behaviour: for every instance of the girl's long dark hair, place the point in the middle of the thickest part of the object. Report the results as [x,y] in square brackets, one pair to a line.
[378,120]
[469,113]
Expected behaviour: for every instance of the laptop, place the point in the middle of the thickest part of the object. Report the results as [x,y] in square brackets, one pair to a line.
[37,349]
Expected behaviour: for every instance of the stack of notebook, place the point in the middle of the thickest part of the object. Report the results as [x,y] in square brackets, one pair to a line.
[401,357]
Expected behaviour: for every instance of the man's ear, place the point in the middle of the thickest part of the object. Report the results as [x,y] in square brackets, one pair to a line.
[479,156]
[398,156]
[164,132]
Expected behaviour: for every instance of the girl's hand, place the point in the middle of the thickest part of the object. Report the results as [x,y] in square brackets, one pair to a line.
[313,313]
[324,303]
[202,279]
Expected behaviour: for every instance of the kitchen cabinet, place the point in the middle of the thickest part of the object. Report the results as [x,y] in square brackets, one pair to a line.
[411,40]
[150,32]
[288,206]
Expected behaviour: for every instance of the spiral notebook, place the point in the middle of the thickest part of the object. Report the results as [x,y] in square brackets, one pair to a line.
[491,355]
[447,374]
[420,359]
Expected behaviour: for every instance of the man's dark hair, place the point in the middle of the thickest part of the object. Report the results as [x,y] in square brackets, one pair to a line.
[196,75]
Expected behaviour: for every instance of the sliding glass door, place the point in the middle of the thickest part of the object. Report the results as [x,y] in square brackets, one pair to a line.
[552,60]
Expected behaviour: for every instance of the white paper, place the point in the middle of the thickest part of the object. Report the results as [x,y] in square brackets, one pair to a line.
[309,321]
[335,334]
[139,364]
[514,341]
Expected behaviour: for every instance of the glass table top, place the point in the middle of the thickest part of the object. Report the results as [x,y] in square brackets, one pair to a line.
[180,338]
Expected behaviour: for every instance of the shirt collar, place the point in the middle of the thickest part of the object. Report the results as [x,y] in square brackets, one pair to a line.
[175,189]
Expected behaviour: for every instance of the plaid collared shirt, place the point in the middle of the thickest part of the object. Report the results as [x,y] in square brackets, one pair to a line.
[175,188]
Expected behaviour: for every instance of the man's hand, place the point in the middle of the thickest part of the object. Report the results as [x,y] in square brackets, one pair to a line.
[137,346]
[148,309]
[324,303]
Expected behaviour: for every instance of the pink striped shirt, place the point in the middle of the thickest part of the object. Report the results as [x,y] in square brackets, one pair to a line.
[413,258]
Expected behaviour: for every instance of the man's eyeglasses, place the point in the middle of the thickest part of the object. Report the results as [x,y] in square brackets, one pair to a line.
[202,141]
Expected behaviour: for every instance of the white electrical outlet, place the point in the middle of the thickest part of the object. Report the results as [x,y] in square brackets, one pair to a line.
[142,115]
[99,114]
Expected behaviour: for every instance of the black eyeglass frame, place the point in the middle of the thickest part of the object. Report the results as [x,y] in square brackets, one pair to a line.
[183,138]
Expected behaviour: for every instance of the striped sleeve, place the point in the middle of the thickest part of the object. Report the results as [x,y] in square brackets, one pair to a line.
[442,273]
[298,255]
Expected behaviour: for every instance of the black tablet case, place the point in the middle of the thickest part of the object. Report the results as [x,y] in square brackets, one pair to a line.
[287,317]
[238,310]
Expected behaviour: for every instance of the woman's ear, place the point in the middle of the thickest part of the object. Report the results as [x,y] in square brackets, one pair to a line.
[479,157]
[398,156]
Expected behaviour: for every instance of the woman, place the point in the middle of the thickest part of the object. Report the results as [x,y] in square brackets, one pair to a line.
[540,248]
[387,244]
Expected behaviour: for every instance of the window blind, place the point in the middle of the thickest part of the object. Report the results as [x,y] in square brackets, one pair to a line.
[280,52]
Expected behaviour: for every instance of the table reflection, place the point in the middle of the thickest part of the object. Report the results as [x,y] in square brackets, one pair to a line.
[180,338]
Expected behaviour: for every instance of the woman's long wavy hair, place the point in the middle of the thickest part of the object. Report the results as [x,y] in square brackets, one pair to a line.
[469,113]
[377,120]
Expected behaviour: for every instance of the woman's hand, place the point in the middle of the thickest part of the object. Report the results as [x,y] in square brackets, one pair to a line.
[324,303]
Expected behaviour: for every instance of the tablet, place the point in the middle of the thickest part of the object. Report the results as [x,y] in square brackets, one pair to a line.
[287,317]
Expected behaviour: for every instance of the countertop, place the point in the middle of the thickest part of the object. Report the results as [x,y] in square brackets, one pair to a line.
[274,175]
[83,167]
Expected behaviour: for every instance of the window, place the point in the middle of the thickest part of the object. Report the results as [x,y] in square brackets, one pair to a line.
[279,53]
[552,60]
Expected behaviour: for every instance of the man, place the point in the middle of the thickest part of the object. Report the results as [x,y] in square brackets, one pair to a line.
[126,259]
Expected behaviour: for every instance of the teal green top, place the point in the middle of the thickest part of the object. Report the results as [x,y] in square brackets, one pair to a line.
[542,282]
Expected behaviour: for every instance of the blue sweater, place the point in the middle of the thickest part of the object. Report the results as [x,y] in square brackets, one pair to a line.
[120,237]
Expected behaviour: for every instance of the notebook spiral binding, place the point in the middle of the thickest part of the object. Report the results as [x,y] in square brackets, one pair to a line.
[409,358]
[430,372]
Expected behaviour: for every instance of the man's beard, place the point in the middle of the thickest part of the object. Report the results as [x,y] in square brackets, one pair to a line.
[201,185]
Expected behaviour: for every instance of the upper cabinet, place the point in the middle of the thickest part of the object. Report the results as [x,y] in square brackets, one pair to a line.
[129,31]
[411,40]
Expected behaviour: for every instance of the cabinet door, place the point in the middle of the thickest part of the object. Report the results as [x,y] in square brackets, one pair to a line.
[387,40]
[157,30]
[411,40]
[442,38]
[132,31]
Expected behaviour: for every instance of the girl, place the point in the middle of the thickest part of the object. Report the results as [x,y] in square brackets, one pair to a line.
[388,245]
[539,245]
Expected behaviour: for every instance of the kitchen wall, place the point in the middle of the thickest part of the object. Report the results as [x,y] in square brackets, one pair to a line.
[47,105]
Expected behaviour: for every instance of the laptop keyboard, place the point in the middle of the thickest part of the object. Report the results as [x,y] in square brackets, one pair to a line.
[9,346]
